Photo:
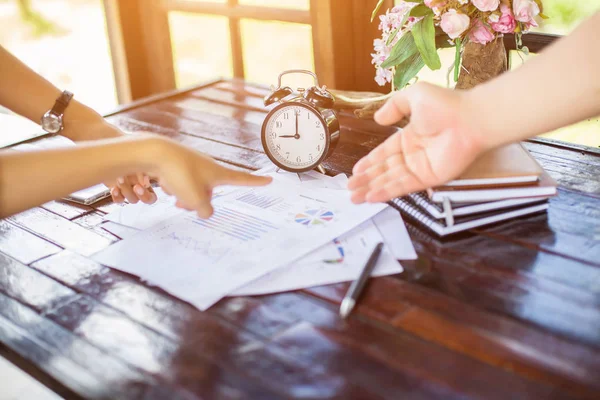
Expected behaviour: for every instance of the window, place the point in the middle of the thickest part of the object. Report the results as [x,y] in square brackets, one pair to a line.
[66,42]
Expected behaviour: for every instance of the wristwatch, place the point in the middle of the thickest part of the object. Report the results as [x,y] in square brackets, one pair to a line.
[52,121]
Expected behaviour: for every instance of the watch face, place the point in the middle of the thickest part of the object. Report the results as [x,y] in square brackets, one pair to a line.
[51,123]
[295,137]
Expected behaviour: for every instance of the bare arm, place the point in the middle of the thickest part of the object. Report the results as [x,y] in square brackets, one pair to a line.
[32,178]
[557,88]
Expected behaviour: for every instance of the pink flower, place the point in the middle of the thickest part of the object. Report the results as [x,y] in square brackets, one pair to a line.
[435,3]
[454,23]
[383,76]
[486,5]
[525,10]
[480,33]
[507,22]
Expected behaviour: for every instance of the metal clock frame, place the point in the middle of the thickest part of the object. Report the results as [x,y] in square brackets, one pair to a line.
[329,120]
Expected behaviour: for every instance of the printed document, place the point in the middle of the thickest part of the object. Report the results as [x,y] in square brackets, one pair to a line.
[253,231]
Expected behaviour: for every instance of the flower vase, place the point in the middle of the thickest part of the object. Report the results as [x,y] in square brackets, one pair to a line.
[480,63]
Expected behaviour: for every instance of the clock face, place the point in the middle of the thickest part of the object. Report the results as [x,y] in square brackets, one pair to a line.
[295,137]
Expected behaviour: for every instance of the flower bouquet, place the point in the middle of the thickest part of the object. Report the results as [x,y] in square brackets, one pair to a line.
[413,31]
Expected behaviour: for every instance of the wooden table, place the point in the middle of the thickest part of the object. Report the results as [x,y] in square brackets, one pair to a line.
[505,312]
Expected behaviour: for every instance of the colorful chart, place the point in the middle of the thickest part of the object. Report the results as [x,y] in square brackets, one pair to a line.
[340,249]
[314,217]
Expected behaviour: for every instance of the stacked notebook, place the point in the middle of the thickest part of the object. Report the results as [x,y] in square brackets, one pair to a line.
[503,184]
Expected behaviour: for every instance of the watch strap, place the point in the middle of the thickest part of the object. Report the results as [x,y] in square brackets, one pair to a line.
[61,103]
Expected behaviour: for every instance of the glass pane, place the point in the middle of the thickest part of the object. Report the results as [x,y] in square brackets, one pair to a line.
[294,4]
[565,15]
[66,42]
[272,47]
[201,47]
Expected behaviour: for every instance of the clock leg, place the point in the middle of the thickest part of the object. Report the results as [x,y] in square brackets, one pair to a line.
[320,168]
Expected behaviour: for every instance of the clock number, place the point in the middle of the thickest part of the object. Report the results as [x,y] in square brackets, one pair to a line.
[318,147]
[286,115]
[273,135]
[308,115]
[278,124]
[298,159]
[287,153]
[318,124]
[310,157]
[278,147]
[322,136]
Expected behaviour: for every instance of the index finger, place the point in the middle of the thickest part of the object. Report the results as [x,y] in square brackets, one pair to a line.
[226,176]
[393,110]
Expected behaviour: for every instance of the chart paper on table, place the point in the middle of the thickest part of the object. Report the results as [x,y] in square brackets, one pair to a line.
[252,232]
[351,251]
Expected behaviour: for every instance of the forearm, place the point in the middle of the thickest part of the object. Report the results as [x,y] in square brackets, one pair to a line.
[30,95]
[559,87]
[31,178]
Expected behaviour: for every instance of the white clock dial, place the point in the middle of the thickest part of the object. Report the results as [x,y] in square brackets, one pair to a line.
[296,137]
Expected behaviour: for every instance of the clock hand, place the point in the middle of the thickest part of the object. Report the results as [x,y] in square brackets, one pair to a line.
[297,135]
[287,136]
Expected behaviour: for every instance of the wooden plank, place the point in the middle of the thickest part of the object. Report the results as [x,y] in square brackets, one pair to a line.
[117,50]
[93,222]
[193,368]
[396,364]
[493,339]
[60,231]
[12,239]
[75,363]
[66,209]
[147,47]
[343,42]
[239,11]
[349,348]
[235,37]
[29,287]
[333,42]
[364,32]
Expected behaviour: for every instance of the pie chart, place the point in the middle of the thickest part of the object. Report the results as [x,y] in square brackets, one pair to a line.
[314,217]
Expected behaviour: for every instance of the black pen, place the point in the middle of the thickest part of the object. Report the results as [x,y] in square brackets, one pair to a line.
[358,285]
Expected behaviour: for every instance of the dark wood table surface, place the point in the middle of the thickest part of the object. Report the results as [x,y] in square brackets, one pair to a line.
[510,311]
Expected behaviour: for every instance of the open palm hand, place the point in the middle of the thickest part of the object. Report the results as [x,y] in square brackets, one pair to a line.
[435,147]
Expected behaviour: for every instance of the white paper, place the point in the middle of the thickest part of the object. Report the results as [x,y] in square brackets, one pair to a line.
[143,216]
[120,231]
[351,252]
[253,232]
[390,225]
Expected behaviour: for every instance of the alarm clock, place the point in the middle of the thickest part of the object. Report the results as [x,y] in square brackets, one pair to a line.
[303,129]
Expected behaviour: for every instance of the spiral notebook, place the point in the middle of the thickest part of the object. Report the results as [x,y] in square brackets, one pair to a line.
[439,211]
[421,217]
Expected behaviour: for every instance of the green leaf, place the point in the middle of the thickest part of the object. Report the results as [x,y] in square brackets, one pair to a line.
[403,49]
[376,10]
[421,11]
[424,35]
[457,59]
[406,71]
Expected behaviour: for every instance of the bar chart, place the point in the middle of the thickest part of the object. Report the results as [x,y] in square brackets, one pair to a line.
[237,224]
